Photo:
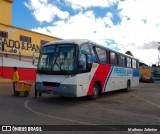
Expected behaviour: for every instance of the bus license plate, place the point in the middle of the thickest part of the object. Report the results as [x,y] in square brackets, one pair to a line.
[49,88]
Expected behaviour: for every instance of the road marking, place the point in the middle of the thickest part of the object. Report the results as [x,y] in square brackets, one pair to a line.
[64,119]
[50,116]
[146,100]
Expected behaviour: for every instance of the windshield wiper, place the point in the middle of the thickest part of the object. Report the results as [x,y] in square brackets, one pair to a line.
[57,64]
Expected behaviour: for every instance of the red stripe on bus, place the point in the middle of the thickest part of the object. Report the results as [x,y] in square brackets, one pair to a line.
[100,75]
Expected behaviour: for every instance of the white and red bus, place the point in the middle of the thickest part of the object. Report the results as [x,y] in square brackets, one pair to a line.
[75,68]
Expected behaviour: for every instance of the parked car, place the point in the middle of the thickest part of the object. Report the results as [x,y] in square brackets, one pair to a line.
[145,79]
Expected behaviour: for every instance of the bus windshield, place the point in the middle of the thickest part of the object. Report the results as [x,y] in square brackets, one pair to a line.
[58,58]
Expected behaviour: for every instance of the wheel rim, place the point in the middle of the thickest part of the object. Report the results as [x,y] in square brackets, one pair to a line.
[95,91]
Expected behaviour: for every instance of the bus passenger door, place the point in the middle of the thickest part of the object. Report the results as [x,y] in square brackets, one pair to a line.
[84,68]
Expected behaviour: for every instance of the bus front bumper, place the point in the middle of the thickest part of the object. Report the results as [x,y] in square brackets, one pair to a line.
[63,89]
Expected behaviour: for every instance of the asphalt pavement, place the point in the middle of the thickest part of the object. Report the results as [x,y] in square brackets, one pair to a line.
[141,106]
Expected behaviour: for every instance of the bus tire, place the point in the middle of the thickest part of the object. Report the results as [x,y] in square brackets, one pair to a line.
[95,93]
[40,94]
[128,86]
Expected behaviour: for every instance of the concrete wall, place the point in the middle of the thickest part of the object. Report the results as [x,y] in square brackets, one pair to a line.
[6,11]
[24,64]
[0,66]
[13,41]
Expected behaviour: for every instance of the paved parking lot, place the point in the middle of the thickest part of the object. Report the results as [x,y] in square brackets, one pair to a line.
[141,106]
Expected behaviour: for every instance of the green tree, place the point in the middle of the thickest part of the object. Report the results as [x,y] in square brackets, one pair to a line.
[129,53]
[140,63]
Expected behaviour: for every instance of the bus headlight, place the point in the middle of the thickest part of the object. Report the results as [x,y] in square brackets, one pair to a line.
[68,76]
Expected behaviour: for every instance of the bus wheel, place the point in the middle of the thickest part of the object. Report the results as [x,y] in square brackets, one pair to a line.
[95,93]
[40,94]
[128,86]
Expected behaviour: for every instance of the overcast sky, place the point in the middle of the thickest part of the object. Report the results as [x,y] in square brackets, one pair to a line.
[118,24]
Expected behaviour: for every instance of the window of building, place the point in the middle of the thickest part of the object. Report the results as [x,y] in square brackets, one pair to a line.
[129,64]
[121,60]
[25,39]
[3,34]
[113,58]
[101,55]
[43,42]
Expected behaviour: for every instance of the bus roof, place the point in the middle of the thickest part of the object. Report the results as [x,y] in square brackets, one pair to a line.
[83,41]
[75,41]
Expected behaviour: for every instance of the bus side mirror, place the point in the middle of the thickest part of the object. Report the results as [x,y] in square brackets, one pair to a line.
[35,57]
[85,62]
[82,62]
[34,61]
[89,62]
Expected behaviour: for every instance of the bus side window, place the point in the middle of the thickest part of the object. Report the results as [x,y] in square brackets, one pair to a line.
[102,55]
[85,49]
[93,53]
[85,59]
[129,64]
[121,60]
[134,63]
[113,58]
[137,64]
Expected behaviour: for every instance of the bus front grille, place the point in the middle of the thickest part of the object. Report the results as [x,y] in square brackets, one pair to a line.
[53,84]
